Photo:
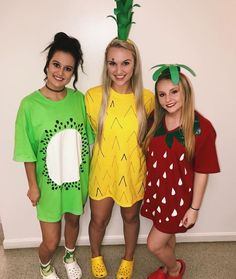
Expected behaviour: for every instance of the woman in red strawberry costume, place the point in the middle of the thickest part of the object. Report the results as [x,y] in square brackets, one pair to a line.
[181,153]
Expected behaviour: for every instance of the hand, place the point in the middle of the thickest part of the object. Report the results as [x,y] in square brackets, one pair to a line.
[34,195]
[190,218]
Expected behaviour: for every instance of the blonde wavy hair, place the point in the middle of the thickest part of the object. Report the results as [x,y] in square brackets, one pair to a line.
[136,85]
[187,115]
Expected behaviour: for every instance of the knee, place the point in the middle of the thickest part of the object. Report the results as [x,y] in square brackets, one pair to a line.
[130,218]
[150,246]
[153,247]
[99,222]
[72,220]
[51,245]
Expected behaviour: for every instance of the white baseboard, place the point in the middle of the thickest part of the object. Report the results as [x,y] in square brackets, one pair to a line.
[206,237]
[119,239]
[199,237]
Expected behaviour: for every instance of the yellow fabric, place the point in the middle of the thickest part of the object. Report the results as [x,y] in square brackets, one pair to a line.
[117,168]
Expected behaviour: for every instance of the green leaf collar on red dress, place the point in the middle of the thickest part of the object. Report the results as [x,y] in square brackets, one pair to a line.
[177,133]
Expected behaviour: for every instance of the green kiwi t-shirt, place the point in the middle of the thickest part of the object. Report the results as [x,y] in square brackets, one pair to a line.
[56,136]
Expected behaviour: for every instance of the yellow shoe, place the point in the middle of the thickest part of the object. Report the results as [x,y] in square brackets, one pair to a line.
[125,270]
[98,267]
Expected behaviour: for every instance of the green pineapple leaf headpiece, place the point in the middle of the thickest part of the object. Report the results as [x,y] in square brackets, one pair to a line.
[173,69]
[123,17]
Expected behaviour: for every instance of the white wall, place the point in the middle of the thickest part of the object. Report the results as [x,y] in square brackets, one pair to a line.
[198,33]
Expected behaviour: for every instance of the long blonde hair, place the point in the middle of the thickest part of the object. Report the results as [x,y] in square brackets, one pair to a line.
[187,115]
[136,85]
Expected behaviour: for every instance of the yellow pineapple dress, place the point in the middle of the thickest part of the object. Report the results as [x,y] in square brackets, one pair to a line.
[118,166]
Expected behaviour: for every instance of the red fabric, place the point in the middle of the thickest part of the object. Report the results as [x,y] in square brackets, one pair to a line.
[169,182]
[205,159]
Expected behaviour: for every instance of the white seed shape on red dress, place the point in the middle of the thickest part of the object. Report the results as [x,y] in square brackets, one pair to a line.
[181,157]
[171,166]
[180,183]
[172,192]
[159,209]
[181,224]
[165,155]
[174,213]
[163,200]
[164,175]
[155,165]
[150,183]
[158,182]
[181,202]
[155,196]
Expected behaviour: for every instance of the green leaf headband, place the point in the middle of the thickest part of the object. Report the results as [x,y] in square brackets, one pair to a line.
[123,17]
[173,69]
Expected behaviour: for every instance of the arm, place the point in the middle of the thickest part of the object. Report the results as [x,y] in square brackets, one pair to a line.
[33,192]
[199,187]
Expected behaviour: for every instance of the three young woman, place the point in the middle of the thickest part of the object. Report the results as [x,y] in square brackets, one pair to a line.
[52,139]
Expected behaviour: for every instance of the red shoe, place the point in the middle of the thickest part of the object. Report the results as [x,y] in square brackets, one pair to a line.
[181,272]
[158,274]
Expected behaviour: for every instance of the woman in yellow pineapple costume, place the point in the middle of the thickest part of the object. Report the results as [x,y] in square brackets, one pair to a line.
[118,111]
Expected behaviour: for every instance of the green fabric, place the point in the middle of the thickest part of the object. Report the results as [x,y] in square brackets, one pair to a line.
[173,69]
[123,17]
[46,270]
[56,136]
[69,256]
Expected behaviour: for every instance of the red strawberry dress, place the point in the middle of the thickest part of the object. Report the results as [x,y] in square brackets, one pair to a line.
[169,182]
